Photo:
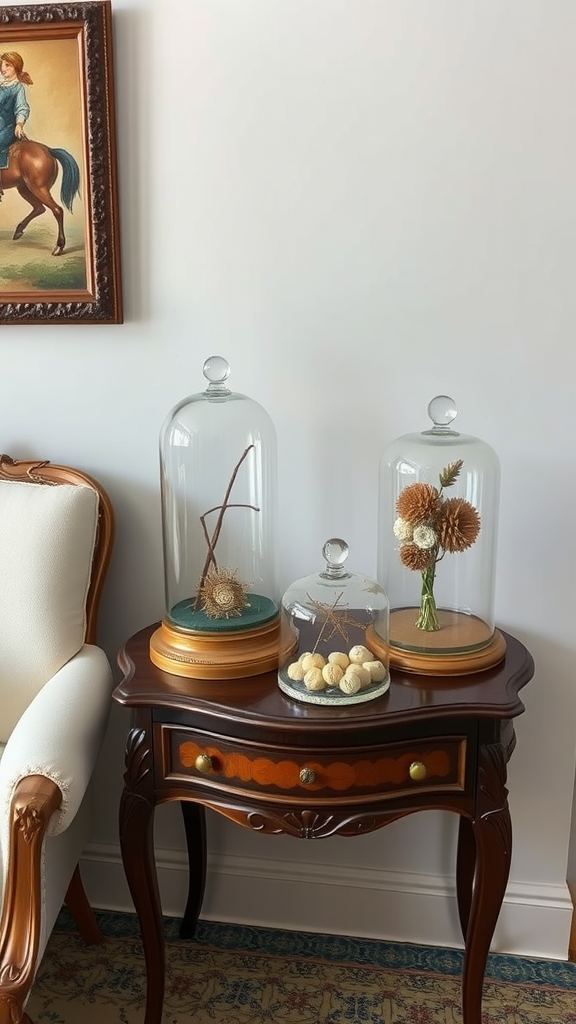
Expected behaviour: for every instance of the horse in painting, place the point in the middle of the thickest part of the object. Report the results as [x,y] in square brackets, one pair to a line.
[32,170]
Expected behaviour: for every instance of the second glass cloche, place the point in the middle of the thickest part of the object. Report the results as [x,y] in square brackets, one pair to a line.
[328,622]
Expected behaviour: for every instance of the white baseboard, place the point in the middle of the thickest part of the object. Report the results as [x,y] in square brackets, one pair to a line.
[395,905]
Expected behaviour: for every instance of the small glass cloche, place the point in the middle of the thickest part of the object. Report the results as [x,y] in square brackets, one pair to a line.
[328,623]
[218,467]
[437,530]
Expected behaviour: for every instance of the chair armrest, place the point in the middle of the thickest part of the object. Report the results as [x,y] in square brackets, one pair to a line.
[34,802]
[60,734]
[45,769]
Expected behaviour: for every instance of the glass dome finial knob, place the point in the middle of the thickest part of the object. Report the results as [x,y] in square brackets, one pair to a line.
[335,552]
[442,410]
[216,369]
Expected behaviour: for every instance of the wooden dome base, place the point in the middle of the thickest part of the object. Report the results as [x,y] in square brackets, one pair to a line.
[460,663]
[233,655]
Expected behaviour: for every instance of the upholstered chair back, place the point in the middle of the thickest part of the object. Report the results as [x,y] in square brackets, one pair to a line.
[47,538]
[56,534]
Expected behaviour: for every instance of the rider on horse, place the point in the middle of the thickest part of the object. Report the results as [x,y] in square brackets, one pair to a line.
[14,109]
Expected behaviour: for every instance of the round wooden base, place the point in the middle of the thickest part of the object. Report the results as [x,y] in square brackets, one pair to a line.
[458,632]
[233,655]
[460,663]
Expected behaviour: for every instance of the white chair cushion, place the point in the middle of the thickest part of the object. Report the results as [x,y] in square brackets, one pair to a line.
[60,733]
[47,537]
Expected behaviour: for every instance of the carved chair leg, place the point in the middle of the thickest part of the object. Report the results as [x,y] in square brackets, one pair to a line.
[77,902]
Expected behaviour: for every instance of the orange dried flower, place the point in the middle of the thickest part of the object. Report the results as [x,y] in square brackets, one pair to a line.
[416,558]
[459,525]
[418,503]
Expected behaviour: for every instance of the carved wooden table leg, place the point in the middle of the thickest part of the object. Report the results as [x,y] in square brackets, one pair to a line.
[465,868]
[492,829]
[195,827]
[137,846]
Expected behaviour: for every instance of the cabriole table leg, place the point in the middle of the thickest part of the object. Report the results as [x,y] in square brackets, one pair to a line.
[195,827]
[137,847]
[492,830]
[465,869]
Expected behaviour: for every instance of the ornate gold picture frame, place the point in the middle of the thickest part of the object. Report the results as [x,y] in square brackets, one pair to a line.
[59,222]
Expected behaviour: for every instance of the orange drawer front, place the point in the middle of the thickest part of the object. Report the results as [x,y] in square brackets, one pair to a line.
[396,768]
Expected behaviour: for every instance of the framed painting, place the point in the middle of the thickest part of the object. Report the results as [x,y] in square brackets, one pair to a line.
[59,221]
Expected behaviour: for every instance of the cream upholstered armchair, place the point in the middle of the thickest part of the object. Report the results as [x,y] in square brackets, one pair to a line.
[56,529]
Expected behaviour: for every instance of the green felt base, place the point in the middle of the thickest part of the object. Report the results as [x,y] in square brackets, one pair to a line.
[260,610]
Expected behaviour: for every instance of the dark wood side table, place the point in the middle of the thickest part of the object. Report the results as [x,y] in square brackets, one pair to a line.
[244,749]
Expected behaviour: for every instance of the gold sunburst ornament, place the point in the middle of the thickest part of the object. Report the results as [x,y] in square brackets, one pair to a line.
[222,595]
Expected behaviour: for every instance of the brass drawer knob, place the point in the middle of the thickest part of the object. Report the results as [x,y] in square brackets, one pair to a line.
[307,775]
[204,763]
[417,771]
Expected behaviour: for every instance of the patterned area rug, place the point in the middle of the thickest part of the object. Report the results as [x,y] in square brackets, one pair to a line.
[230,974]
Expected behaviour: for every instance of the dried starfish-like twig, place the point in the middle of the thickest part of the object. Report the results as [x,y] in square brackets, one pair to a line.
[339,620]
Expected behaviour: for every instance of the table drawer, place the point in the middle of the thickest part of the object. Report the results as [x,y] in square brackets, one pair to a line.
[436,765]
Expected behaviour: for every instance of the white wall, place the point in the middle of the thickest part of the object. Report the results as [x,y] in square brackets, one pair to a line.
[361,204]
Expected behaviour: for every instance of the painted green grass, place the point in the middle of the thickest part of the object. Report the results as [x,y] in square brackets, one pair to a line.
[68,272]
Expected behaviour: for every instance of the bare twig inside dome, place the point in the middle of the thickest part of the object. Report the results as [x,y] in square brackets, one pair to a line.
[212,541]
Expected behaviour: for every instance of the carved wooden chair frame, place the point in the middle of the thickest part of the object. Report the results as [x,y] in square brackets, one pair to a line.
[37,798]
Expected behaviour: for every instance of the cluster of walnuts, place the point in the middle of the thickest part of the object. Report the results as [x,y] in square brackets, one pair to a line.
[348,672]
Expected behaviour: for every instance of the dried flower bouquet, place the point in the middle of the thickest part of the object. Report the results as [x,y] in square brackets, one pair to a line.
[429,526]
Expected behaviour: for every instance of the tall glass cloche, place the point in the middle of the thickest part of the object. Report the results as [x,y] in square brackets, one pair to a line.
[329,621]
[218,465]
[437,535]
